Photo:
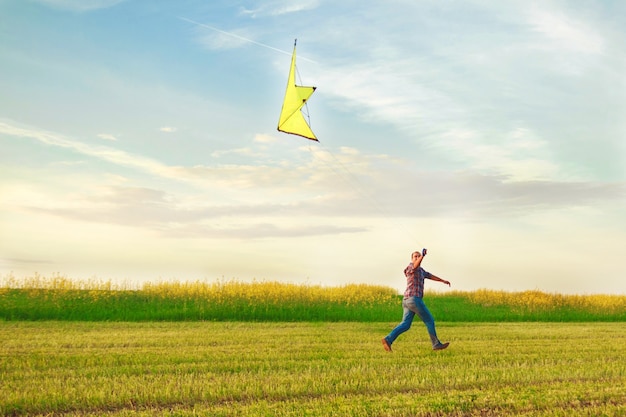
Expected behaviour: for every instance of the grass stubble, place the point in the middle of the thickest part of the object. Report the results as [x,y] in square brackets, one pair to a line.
[310,369]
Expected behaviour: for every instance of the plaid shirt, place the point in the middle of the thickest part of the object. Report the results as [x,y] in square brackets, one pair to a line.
[415,281]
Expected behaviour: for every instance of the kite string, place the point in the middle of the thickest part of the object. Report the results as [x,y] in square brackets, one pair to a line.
[306,103]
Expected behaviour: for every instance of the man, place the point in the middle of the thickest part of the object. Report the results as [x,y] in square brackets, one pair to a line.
[413,304]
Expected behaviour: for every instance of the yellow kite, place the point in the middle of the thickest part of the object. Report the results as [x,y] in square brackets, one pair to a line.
[291,117]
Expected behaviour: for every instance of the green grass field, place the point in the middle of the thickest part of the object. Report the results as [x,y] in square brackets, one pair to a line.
[59,298]
[310,369]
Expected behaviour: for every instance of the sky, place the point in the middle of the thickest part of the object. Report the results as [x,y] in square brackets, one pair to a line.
[138,142]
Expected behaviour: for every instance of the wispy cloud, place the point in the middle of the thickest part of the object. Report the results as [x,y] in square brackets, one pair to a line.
[326,185]
[518,155]
[515,88]
[444,119]
[168,129]
[281,7]
[243,176]
[264,138]
[567,32]
[173,217]
[462,196]
[108,154]
[80,5]
[107,136]
[263,231]
[238,151]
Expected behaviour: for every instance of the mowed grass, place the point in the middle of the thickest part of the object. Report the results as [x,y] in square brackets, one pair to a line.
[310,369]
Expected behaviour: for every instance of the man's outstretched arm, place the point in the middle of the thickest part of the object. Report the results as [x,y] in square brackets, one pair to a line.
[436,278]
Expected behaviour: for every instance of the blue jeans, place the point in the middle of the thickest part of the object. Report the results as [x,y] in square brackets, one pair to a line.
[411,307]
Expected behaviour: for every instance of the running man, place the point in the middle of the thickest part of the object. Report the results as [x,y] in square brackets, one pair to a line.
[413,304]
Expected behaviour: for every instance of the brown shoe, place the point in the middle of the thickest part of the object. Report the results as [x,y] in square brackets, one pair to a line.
[441,346]
[386,345]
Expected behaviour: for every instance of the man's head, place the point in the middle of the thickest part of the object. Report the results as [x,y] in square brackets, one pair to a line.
[416,255]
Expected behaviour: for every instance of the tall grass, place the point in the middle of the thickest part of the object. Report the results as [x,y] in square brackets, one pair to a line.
[533,304]
[60,298]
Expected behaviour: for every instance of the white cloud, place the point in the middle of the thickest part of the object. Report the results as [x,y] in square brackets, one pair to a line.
[173,215]
[352,183]
[264,138]
[418,110]
[168,129]
[518,155]
[108,154]
[238,176]
[106,136]
[320,195]
[280,8]
[566,32]
[238,151]
[516,84]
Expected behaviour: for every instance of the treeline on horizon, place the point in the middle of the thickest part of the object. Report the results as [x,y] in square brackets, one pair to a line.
[60,298]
